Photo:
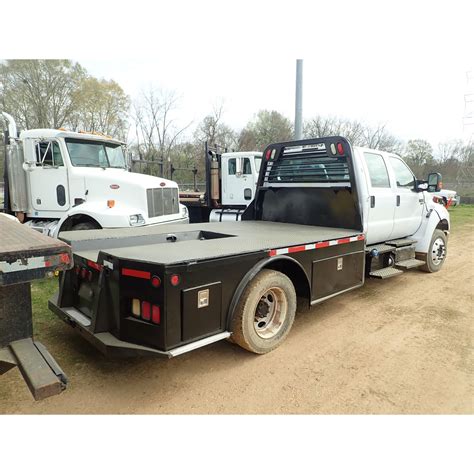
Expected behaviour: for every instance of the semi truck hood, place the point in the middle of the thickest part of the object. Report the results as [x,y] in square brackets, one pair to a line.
[111,178]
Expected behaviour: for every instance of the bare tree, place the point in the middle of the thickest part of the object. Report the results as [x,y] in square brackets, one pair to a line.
[156,130]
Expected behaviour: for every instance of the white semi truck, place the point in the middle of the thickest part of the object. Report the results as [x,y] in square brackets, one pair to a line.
[58,180]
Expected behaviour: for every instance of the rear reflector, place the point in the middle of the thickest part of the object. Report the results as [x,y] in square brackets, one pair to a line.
[146,310]
[136,273]
[155,281]
[155,314]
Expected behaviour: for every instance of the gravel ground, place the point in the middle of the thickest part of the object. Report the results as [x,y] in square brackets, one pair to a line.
[402,345]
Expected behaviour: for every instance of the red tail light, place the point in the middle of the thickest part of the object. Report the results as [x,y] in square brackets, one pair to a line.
[340,148]
[146,310]
[174,280]
[155,281]
[267,154]
[156,314]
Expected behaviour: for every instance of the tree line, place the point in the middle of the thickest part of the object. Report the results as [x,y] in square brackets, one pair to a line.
[62,94]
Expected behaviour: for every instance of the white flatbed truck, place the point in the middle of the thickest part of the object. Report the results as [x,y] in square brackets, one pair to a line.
[326,216]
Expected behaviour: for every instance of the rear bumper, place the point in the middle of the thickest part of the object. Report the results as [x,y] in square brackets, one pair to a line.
[105,342]
[113,347]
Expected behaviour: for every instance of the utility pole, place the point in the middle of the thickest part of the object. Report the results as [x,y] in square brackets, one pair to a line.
[299,100]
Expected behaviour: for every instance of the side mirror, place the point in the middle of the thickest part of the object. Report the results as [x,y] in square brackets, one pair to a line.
[239,166]
[435,183]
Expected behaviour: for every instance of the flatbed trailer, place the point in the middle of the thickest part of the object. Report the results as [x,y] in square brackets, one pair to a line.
[26,255]
[168,290]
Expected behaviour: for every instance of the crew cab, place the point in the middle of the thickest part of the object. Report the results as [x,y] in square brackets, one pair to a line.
[326,216]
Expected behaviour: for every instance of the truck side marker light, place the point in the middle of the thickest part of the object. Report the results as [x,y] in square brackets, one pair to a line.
[136,273]
[155,281]
[315,245]
[136,307]
[146,310]
[110,203]
[174,280]
[155,314]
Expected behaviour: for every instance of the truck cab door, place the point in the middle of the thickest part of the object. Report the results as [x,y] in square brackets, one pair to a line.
[48,177]
[409,202]
[238,182]
[381,206]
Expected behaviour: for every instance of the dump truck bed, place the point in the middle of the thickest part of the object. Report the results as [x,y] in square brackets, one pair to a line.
[174,244]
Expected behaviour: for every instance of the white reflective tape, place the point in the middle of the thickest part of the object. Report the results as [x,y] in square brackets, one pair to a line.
[281,251]
[21,265]
[310,246]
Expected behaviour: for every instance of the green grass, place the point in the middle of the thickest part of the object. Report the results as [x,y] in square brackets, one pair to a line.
[462,214]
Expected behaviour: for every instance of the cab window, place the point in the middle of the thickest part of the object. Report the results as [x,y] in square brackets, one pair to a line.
[403,175]
[377,170]
[48,154]
[246,166]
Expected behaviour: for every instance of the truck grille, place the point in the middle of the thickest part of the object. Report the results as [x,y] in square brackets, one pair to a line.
[162,201]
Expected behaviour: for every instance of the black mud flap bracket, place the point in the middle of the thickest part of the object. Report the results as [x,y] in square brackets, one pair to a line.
[40,371]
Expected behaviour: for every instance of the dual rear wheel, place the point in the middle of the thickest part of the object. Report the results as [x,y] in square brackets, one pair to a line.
[265,312]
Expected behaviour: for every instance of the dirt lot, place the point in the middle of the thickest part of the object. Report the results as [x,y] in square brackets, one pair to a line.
[402,345]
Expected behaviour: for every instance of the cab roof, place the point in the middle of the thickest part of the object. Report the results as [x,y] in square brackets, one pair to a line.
[58,133]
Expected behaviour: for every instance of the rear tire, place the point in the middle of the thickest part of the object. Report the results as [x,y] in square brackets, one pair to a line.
[437,251]
[265,313]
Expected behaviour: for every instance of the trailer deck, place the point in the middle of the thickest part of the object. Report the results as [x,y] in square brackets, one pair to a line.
[27,255]
[197,242]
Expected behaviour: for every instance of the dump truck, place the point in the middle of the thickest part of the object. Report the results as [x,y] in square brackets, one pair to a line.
[325,217]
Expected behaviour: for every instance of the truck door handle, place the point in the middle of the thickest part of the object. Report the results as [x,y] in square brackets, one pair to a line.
[398,200]
[372,201]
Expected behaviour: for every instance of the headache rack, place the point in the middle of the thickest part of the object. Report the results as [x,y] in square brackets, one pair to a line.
[318,163]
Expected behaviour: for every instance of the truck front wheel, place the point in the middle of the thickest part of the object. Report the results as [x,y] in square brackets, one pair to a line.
[436,253]
[265,312]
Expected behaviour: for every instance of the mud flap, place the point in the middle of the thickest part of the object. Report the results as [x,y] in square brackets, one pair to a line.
[40,371]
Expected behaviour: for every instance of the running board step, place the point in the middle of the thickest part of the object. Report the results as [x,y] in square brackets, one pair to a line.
[384,273]
[381,248]
[401,242]
[410,263]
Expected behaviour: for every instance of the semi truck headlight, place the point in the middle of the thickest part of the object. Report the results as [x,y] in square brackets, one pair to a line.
[184,211]
[136,219]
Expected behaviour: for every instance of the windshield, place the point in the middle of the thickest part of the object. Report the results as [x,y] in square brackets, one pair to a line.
[95,154]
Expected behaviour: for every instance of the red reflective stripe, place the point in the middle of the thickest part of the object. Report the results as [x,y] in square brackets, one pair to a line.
[298,248]
[136,273]
[94,265]
[318,245]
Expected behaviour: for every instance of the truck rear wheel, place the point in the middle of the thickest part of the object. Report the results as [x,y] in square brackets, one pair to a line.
[86,225]
[436,255]
[265,312]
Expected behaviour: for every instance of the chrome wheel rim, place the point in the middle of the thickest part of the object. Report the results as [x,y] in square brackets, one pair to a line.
[438,251]
[270,313]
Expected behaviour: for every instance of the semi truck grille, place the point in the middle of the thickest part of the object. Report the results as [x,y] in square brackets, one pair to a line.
[162,201]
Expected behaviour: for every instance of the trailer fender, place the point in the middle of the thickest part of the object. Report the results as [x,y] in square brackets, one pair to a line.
[282,263]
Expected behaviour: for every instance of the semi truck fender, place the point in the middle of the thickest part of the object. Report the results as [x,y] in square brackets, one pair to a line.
[282,263]
[436,218]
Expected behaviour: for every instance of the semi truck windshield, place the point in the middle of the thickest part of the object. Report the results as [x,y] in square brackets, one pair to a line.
[95,154]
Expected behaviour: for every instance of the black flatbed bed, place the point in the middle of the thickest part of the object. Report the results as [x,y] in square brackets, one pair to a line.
[220,239]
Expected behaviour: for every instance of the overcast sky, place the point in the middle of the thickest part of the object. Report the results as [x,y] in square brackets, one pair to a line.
[399,63]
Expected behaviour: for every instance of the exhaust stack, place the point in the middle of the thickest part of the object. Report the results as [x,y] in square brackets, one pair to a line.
[12,130]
